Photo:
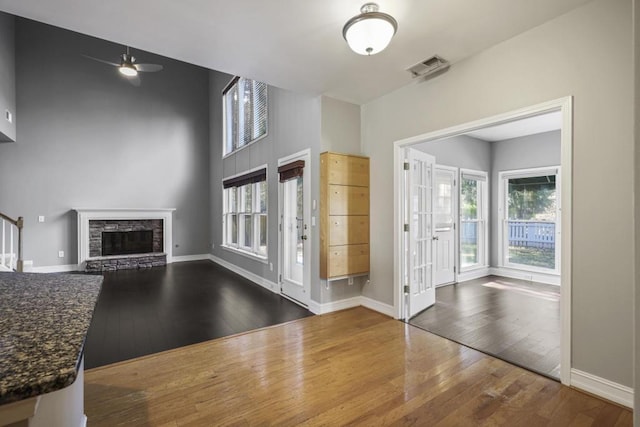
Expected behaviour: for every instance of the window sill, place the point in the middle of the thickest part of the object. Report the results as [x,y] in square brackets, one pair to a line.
[245,254]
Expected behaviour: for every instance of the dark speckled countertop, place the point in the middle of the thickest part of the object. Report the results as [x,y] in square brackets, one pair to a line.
[44,319]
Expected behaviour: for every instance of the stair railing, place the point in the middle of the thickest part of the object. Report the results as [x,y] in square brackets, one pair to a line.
[9,228]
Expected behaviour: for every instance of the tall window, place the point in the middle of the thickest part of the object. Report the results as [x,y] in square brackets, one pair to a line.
[245,113]
[530,214]
[245,213]
[473,219]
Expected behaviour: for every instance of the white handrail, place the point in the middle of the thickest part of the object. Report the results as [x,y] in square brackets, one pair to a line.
[11,260]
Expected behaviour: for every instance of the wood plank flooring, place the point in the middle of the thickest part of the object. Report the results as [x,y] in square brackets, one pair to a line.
[353,367]
[514,320]
[142,312]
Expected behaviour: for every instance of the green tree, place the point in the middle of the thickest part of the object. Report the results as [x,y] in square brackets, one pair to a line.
[529,201]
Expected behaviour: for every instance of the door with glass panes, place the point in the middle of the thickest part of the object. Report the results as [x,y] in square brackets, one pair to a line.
[295,276]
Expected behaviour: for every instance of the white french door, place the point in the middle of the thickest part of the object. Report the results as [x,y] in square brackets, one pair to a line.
[445,196]
[295,249]
[420,231]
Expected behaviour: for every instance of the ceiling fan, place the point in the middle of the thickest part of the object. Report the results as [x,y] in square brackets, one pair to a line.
[129,68]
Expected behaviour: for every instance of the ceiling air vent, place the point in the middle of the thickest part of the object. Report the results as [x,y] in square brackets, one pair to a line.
[429,67]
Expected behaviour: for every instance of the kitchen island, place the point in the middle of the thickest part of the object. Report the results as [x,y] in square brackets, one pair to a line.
[44,319]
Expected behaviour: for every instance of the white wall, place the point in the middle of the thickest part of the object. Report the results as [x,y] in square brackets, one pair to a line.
[587,54]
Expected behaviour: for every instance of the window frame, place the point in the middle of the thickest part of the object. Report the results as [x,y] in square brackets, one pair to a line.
[235,148]
[482,212]
[503,177]
[240,212]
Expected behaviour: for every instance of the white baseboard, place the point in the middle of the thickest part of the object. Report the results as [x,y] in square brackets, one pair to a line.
[606,389]
[550,279]
[55,268]
[343,304]
[268,284]
[315,307]
[186,258]
[378,306]
[473,274]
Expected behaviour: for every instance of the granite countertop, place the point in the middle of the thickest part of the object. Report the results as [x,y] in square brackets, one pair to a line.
[44,319]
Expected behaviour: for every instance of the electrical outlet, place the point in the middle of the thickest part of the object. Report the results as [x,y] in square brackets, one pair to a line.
[60,254]
[350,281]
[41,218]
[271,266]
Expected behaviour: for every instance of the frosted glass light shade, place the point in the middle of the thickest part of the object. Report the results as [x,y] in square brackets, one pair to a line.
[371,31]
[128,70]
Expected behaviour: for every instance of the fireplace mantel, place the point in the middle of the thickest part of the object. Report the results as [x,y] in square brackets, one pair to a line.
[87,214]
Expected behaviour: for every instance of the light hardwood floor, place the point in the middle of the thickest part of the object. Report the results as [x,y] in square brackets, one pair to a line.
[351,367]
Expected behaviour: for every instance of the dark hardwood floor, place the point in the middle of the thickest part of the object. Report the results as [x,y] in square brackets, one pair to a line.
[514,320]
[141,312]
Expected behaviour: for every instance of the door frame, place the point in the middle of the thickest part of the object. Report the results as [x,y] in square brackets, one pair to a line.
[306,185]
[456,220]
[565,106]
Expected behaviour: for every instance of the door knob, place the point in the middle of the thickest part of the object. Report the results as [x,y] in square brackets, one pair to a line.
[303,237]
[435,238]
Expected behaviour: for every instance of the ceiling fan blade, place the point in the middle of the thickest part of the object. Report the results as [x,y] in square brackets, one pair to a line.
[148,68]
[101,60]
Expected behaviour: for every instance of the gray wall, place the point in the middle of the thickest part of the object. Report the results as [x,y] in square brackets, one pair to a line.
[507,77]
[294,125]
[460,151]
[636,135]
[89,139]
[531,151]
[340,133]
[7,77]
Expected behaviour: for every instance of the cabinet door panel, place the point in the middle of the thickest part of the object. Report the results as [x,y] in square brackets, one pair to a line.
[345,230]
[347,200]
[348,170]
[348,259]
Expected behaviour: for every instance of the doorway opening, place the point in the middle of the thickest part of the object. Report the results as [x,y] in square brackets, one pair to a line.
[295,211]
[501,251]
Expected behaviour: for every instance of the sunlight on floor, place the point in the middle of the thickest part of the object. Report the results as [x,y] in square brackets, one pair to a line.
[523,289]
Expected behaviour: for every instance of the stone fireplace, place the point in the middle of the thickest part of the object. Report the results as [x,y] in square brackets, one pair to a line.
[118,239]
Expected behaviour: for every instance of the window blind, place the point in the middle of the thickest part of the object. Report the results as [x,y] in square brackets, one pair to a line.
[291,170]
[248,178]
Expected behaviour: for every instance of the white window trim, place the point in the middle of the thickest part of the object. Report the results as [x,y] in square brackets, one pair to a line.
[483,248]
[238,249]
[503,176]
[224,126]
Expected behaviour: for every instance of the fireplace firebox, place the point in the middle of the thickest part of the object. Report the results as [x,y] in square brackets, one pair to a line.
[127,242]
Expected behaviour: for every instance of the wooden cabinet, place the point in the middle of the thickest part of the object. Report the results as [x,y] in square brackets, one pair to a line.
[344,215]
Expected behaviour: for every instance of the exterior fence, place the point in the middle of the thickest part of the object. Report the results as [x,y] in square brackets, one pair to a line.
[528,234]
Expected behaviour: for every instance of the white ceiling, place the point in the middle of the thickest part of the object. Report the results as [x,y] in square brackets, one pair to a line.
[518,128]
[298,44]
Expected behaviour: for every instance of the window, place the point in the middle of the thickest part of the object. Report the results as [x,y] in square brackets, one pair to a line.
[530,206]
[473,219]
[244,112]
[245,213]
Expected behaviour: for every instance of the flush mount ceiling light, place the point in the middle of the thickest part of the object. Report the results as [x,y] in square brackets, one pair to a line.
[371,31]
